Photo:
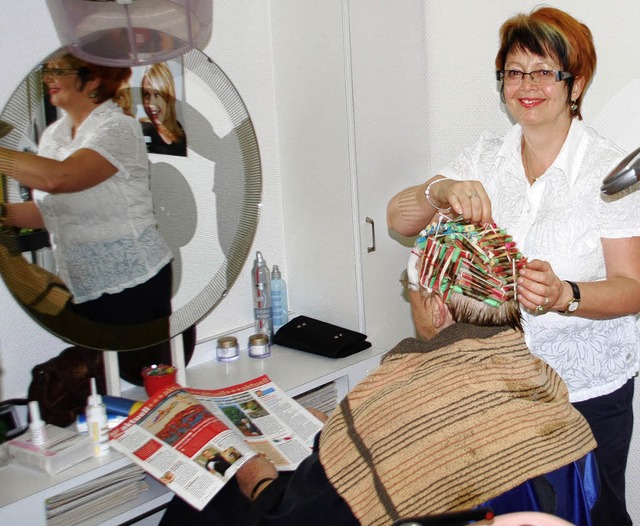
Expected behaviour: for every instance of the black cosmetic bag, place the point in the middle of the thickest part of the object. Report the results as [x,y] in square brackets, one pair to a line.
[319,337]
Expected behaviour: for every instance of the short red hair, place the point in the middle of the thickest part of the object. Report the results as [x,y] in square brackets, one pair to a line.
[111,78]
[548,31]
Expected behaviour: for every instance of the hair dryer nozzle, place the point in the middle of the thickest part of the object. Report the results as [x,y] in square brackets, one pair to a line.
[626,174]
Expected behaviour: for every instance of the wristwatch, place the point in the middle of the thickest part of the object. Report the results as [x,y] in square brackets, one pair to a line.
[575,301]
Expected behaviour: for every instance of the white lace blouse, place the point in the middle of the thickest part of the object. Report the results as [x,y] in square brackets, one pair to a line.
[105,238]
[561,218]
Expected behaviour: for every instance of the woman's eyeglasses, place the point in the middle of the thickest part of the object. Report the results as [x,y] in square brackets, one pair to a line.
[57,72]
[543,77]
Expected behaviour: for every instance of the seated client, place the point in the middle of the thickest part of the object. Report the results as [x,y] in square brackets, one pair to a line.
[449,422]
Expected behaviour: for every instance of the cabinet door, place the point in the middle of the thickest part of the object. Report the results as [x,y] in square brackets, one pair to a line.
[387,74]
[314,142]
[351,133]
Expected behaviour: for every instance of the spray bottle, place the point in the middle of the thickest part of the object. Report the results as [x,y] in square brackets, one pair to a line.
[279,303]
[261,295]
[97,422]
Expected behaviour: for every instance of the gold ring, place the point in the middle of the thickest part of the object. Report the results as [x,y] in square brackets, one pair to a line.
[474,194]
[539,308]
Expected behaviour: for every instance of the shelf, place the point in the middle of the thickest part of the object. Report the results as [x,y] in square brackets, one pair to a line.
[294,371]
[25,490]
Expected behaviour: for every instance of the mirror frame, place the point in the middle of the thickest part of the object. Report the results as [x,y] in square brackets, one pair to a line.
[27,101]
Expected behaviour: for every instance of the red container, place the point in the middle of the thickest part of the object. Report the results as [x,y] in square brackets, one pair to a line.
[158,377]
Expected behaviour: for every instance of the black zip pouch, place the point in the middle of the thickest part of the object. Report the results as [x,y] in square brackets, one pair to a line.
[318,337]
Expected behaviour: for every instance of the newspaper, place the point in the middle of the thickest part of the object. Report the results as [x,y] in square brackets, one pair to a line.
[194,440]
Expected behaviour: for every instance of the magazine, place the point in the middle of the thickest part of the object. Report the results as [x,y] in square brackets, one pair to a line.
[194,440]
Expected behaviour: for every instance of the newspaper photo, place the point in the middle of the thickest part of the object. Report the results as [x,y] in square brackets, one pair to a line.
[194,440]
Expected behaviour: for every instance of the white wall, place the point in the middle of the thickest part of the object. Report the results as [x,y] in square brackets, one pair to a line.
[462,101]
[241,46]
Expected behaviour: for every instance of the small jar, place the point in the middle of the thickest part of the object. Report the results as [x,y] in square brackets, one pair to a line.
[259,346]
[227,349]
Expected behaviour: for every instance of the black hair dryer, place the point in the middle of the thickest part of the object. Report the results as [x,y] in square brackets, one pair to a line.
[626,174]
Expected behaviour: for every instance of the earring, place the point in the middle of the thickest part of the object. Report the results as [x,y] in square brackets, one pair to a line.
[574,106]
[93,94]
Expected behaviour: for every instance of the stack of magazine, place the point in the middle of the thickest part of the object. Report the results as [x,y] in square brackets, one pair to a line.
[95,497]
[323,398]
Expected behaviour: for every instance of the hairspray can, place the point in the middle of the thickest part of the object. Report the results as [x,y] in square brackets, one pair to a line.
[261,295]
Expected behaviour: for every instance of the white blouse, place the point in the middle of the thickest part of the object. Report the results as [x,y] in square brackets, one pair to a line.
[105,238]
[561,218]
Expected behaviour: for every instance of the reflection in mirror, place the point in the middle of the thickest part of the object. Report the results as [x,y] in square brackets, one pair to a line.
[206,204]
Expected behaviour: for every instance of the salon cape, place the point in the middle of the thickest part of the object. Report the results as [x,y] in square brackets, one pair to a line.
[448,424]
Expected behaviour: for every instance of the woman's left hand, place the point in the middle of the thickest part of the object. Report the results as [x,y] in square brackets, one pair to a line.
[253,471]
[539,289]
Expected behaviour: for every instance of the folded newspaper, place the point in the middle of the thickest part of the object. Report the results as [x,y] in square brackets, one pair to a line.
[194,440]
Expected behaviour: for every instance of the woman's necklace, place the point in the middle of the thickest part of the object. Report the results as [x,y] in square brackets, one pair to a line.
[528,172]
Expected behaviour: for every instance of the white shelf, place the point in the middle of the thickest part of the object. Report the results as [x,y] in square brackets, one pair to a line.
[24,490]
[294,371]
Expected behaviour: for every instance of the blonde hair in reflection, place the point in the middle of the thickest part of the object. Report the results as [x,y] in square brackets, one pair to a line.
[160,78]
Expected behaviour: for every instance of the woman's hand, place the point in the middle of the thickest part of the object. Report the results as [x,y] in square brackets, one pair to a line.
[408,212]
[323,417]
[540,290]
[252,472]
[467,199]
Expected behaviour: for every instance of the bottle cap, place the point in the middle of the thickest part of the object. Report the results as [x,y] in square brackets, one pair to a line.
[37,425]
[94,398]
[227,341]
[275,272]
[34,412]
[259,339]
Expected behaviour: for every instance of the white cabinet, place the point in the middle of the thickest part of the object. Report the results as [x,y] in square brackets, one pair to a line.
[349,79]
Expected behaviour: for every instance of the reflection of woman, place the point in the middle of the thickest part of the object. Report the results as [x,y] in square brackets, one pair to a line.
[92,183]
[162,131]
[542,181]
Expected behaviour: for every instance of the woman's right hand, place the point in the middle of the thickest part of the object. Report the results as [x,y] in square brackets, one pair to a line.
[466,198]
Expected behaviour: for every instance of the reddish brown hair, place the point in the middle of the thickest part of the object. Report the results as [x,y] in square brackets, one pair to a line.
[111,79]
[551,32]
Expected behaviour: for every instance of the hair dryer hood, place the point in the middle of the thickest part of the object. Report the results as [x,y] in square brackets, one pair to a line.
[626,174]
[131,32]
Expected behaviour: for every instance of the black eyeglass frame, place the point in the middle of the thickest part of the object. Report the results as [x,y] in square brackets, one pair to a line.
[558,75]
[58,72]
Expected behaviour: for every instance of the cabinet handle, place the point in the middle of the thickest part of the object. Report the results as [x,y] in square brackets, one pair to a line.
[373,235]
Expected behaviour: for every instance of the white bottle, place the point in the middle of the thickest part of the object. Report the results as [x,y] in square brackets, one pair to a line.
[261,295]
[37,425]
[97,422]
[279,303]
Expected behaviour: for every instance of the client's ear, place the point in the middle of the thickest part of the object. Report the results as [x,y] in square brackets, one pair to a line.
[440,314]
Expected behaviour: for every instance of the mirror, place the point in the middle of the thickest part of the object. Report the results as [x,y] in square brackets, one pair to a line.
[206,204]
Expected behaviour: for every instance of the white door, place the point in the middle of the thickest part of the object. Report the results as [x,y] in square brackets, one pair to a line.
[389,121]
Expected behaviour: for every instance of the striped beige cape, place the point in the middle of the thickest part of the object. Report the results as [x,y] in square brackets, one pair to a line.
[448,424]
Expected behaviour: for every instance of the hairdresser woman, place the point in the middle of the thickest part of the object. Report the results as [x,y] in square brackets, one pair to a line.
[541,181]
[91,178]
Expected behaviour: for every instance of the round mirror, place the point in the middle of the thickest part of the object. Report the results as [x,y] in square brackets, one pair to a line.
[206,200]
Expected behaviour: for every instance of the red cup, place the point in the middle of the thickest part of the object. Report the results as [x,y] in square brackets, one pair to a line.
[157,377]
